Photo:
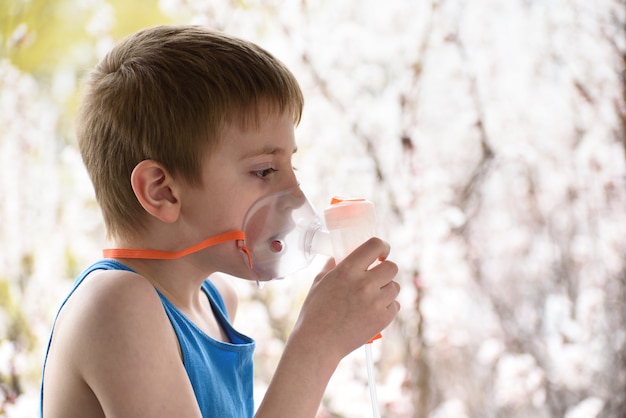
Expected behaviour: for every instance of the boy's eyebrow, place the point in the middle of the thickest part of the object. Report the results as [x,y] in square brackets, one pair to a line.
[266,150]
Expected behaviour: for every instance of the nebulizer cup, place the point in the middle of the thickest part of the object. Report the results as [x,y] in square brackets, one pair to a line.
[351,222]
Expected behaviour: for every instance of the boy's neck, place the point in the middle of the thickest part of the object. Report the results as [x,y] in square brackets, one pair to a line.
[179,280]
[181,285]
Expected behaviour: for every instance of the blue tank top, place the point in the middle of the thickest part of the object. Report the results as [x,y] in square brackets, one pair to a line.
[220,373]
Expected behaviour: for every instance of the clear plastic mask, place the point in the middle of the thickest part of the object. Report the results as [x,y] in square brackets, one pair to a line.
[282,234]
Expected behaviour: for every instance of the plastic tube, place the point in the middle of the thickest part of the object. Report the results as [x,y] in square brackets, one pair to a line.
[371,380]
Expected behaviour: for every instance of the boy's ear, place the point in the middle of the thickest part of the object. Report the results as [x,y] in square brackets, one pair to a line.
[156,190]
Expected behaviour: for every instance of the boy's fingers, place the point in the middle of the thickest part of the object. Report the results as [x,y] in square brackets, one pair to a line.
[372,250]
[391,290]
[394,308]
[384,272]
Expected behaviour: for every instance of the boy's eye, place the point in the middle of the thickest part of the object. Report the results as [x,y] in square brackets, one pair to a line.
[264,173]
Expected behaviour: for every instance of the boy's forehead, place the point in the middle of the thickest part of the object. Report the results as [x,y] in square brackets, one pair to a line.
[272,135]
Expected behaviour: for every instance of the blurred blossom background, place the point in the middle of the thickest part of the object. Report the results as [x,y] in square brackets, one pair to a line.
[491,136]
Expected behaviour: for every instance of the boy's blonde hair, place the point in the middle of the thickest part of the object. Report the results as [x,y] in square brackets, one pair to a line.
[165,94]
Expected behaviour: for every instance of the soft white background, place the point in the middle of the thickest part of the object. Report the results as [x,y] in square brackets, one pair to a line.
[489,134]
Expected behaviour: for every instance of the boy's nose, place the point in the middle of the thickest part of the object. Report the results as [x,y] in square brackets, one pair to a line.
[293,198]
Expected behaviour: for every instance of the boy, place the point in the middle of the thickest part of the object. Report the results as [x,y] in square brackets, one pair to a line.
[182,129]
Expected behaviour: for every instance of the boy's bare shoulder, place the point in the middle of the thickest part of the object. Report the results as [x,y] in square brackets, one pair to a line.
[114,338]
[111,310]
[107,296]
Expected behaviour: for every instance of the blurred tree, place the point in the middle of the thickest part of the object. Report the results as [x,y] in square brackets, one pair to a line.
[38,36]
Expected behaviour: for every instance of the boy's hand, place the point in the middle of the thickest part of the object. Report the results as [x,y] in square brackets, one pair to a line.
[350,303]
[347,305]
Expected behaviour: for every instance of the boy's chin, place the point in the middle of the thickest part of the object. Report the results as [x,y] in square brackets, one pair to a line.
[242,272]
[246,274]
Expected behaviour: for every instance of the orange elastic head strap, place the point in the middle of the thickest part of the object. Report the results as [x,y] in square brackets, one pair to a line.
[147,254]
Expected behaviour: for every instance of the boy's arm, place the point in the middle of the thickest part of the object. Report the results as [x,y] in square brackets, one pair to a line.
[345,308]
[123,347]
